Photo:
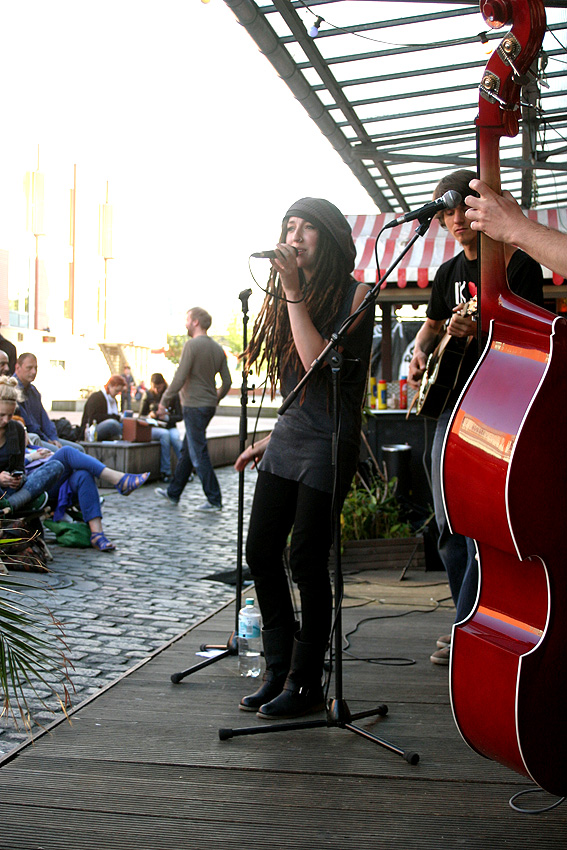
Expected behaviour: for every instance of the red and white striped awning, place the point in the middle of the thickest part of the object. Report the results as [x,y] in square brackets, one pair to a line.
[420,264]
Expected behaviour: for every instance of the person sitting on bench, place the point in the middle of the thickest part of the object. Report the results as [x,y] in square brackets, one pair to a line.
[102,408]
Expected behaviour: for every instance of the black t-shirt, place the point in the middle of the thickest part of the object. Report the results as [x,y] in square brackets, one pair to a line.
[456,282]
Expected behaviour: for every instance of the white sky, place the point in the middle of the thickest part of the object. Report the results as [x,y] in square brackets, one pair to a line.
[204,148]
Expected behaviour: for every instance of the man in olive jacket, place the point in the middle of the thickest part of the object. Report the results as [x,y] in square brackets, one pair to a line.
[201,361]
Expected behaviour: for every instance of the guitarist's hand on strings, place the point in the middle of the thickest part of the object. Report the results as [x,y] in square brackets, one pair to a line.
[430,334]
[416,369]
[425,341]
[461,325]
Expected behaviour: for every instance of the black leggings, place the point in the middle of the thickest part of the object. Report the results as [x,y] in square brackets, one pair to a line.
[280,505]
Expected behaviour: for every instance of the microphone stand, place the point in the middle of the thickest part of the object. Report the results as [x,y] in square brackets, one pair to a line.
[337,710]
[231,646]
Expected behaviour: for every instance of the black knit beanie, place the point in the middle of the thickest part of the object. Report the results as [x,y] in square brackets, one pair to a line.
[324,214]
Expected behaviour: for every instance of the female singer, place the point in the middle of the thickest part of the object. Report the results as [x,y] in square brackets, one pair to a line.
[311,292]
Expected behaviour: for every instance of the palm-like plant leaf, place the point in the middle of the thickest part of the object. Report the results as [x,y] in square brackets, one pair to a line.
[32,654]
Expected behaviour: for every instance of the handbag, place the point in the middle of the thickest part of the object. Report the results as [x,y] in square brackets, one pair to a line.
[75,535]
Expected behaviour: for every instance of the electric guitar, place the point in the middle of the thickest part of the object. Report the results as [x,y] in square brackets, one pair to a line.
[443,369]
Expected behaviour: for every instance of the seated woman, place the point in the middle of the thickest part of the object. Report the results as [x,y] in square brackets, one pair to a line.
[77,482]
[19,491]
[167,434]
[101,407]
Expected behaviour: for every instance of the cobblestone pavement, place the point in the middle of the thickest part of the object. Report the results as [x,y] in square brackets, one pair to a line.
[117,607]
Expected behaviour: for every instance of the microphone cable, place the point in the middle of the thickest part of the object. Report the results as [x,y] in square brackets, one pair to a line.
[275,279]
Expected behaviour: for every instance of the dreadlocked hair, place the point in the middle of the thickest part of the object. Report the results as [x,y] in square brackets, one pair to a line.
[272,341]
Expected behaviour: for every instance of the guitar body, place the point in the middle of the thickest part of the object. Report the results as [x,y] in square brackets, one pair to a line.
[508,664]
[442,371]
[504,478]
[440,376]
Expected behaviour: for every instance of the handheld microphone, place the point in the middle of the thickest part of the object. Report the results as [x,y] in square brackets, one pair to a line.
[269,255]
[448,201]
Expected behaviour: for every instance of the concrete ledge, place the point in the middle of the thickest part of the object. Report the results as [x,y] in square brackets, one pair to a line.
[77,405]
[225,449]
[144,457]
[235,410]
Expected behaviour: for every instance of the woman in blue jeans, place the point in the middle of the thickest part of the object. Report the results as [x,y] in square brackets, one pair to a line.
[28,475]
[18,491]
[77,482]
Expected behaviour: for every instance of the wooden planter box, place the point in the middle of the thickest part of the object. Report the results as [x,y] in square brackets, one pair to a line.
[385,554]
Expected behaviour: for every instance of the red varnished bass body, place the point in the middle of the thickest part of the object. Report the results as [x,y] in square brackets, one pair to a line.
[505,486]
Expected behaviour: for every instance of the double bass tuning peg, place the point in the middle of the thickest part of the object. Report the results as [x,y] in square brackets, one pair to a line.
[509,51]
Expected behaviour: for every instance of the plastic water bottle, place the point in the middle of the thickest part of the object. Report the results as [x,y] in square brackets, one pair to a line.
[91,432]
[249,640]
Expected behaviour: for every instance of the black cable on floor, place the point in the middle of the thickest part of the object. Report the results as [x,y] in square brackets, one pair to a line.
[541,811]
[385,661]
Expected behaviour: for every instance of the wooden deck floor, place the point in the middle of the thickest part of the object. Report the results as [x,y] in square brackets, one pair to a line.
[142,766]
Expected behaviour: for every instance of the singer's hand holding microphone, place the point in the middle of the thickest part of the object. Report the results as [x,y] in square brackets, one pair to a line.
[284,261]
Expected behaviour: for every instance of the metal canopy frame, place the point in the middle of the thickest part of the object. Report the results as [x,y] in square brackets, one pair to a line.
[394,88]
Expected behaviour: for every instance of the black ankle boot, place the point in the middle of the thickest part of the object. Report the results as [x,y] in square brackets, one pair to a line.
[278,644]
[302,692]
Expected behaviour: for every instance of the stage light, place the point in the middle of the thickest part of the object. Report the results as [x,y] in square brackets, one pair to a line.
[314,30]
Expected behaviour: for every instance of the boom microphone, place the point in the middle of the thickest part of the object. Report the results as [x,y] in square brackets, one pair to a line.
[448,201]
[269,255]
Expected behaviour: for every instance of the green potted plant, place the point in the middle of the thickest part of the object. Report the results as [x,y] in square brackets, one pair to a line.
[375,528]
[372,510]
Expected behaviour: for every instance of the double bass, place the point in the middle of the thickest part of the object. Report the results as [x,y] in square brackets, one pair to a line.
[504,474]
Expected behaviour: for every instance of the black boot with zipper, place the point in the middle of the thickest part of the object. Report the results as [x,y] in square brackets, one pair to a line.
[278,645]
[302,692]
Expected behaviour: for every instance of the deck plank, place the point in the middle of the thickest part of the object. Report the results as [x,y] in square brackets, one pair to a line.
[141,766]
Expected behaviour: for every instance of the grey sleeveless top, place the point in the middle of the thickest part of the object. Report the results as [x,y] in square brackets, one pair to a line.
[301,443]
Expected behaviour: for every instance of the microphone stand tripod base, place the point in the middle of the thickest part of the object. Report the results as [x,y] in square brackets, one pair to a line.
[338,715]
[229,648]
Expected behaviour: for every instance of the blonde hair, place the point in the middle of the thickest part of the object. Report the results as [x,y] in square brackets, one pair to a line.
[9,390]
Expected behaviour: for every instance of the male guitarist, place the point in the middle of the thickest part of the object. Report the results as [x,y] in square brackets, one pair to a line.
[455,284]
